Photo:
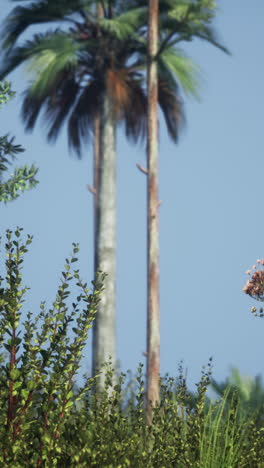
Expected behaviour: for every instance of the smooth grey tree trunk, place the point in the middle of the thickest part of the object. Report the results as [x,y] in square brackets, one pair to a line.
[153,306]
[104,330]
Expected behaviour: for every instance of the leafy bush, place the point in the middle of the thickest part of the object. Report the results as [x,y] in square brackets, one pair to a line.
[23,178]
[37,381]
[46,420]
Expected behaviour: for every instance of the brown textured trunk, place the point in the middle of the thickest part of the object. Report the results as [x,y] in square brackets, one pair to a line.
[153,312]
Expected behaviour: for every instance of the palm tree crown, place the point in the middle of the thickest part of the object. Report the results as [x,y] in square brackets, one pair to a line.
[73,67]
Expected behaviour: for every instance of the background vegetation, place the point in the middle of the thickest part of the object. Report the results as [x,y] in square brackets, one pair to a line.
[47,420]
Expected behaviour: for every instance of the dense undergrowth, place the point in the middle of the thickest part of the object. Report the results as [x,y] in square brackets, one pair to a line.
[46,420]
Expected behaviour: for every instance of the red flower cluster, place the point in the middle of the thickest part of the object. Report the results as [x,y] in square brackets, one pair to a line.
[255,286]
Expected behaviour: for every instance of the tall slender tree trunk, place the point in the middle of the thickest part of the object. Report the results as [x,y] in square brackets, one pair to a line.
[104,332]
[96,159]
[96,150]
[153,309]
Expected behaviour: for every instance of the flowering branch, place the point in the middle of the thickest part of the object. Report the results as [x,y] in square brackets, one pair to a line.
[254,287]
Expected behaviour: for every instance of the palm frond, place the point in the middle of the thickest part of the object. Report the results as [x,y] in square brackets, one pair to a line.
[136,18]
[184,20]
[81,120]
[12,61]
[191,11]
[184,69]
[112,26]
[43,11]
[172,108]
[59,105]
[49,55]
[135,113]
[45,54]
[30,110]
[208,34]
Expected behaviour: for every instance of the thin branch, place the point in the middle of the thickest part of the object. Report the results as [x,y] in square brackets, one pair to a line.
[213,42]
[91,189]
[142,169]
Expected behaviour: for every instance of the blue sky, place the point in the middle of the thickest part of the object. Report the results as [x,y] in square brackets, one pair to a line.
[211,225]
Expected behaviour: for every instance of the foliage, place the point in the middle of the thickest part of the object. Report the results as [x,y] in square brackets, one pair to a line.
[23,178]
[5,92]
[249,390]
[46,420]
[39,361]
[186,19]
[184,432]
[226,440]
[84,56]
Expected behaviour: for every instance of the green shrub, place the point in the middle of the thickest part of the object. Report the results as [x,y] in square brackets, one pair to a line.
[47,421]
[39,361]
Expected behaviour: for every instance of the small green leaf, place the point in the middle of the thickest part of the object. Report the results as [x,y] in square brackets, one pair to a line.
[15,374]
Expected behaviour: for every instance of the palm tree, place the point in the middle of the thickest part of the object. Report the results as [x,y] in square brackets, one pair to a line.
[94,66]
[169,22]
